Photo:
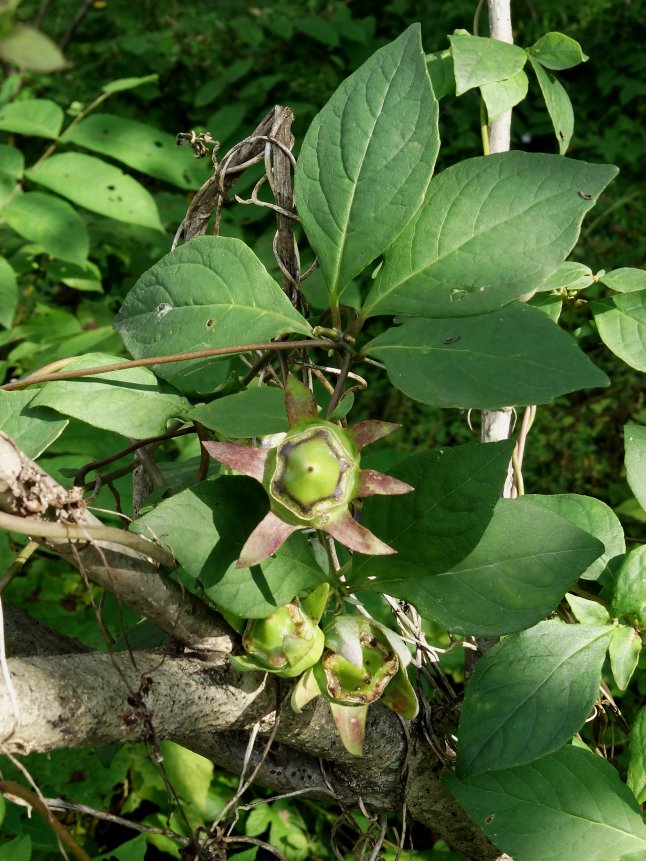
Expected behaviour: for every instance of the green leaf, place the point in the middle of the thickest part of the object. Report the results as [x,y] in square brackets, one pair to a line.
[635,460]
[570,804]
[140,146]
[131,850]
[189,773]
[213,292]
[515,355]
[18,849]
[490,230]
[557,51]
[38,117]
[33,429]
[128,402]
[12,165]
[51,222]
[122,84]
[97,186]
[625,647]
[503,585]
[440,70]
[8,294]
[587,612]
[206,526]
[28,48]
[568,276]
[86,278]
[501,96]
[593,516]
[625,280]
[367,159]
[254,412]
[558,105]
[637,765]
[621,321]
[438,524]
[629,599]
[478,60]
[529,694]
[547,303]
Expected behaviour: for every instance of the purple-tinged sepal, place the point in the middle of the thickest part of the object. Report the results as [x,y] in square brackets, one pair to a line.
[300,403]
[249,460]
[351,725]
[369,431]
[268,537]
[372,482]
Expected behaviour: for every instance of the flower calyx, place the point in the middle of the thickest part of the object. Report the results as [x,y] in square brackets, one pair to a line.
[312,474]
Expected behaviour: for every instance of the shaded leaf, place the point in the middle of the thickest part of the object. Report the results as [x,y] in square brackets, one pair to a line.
[28,48]
[12,165]
[635,460]
[570,804]
[32,428]
[8,293]
[206,527]
[529,694]
[478,60]
[140,146]
[367,159]
[97,186]
[189,773]
[591,515]
[213,292]
[490,230]
[637,765]
[558,105]
[557,51]
[568,276]
[501,96]
[254,412]
[515,355]
[629,598]
[441,521]
[128,402]
[51,222]
[38,117]
[625,647]
[503,585]
[587,612]
[621,321]
[440,70]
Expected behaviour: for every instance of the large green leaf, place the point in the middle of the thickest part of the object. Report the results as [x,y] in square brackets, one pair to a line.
[558,105]
[438,524]
[478,60]
[140,146]
[529,694]
[635,459]
[213,292]
[206,526]
[621,321]
[593,516]
[51,222]
[568,805]
[490,230]
[97,186]
[524,564]
[127,402]
[629,598]
[12,165]
[367,159]
[38,117]
[625,280]
[254,412]
[515,355]
[8,293]
[32,428]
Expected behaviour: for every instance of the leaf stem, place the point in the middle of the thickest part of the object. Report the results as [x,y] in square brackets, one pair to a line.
[324,343]
[484,128]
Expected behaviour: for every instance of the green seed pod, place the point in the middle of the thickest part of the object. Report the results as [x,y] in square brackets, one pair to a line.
[286,643]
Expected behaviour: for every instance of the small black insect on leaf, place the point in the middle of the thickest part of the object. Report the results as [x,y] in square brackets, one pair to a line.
[584,195]
[452,340]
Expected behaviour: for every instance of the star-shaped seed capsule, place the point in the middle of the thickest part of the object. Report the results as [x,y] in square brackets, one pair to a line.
[311,473]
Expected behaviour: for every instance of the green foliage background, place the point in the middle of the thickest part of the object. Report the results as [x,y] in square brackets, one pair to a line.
[220,66]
